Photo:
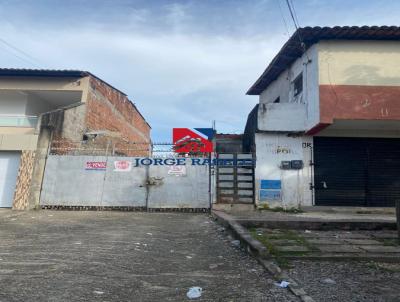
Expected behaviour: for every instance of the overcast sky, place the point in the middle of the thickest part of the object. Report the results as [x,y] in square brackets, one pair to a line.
[183,63]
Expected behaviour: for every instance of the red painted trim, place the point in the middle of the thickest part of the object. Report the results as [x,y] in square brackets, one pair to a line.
[355,102]
[317,128]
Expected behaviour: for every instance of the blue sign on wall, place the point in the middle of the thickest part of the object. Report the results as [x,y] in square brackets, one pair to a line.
[270,184]
[270,190]
[274,195]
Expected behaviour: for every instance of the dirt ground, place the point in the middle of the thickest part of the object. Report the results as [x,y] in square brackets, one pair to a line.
[348,281]
[125,256]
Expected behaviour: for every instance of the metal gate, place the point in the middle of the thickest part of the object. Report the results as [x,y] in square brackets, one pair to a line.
[356,171]
[235,178]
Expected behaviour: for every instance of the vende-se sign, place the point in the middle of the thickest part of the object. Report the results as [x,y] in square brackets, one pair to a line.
[96,165]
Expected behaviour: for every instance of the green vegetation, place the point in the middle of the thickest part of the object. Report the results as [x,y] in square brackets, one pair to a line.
[389,241]
[281,209]
[280,256]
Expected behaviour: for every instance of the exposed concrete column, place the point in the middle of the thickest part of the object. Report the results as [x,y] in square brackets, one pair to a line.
[39,167]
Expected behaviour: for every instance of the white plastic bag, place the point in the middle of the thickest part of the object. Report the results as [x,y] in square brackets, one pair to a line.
[283,284]
[194,292]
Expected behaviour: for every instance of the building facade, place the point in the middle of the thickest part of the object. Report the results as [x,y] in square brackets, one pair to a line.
[326,129]
[65,112]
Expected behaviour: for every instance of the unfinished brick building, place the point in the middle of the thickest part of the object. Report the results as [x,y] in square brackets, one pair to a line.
[64,112]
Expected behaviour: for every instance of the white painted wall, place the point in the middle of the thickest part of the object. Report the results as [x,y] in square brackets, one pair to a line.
[303,114]
[366,63]
[12,103]
[9,165]
[271,150]
[35,106]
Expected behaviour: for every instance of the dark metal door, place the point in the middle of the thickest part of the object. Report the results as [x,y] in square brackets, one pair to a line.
[383,172]
[356,171]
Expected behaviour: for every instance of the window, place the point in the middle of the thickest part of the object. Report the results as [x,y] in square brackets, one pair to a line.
[277,100]
[298,85]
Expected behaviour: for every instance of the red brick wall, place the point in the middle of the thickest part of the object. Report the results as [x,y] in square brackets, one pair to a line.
[108,109]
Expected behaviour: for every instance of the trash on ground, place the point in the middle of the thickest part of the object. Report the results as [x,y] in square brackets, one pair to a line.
[307,231]
[149,234]
[214,265]
[328,281]
[194,292]
[98,292]
[189,257]
[283,284]
[235,242]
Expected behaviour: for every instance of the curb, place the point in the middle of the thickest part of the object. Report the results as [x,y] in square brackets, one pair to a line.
[260,252]
[12,214]
[316,224]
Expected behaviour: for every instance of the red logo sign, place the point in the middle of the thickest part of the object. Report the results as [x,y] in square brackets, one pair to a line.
[188,141]
[122,166]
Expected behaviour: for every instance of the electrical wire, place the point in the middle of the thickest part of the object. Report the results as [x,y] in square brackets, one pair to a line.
[283,17]
[28,58]
[297,26]
[292,14]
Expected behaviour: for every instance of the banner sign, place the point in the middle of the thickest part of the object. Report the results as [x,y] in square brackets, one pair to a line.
[177,170]
[122,166]
[182,161]
[197,140]
[96,165]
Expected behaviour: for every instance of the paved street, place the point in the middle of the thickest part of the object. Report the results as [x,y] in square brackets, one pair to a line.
[125,256]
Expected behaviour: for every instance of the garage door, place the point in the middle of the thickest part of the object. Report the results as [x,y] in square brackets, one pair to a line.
[9,165]
[356,171]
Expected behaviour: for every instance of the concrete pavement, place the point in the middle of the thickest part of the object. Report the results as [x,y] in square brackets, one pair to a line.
[125,256]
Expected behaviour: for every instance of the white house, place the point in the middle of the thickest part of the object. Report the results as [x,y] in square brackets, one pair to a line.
[326,130]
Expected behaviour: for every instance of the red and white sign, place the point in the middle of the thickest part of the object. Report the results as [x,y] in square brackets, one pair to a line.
[96,165]
[122,166]
[186,141]
[177,170]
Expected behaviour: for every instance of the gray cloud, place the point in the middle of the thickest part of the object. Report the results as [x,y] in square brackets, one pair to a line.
[184,63]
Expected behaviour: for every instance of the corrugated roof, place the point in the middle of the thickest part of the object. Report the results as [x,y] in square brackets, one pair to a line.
[22,72]
[59,73]
[311,35]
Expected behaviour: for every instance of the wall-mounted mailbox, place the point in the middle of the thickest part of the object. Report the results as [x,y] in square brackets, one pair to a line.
[285,165]
[296,164]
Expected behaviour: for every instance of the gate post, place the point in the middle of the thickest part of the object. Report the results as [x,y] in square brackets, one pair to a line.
[398,218]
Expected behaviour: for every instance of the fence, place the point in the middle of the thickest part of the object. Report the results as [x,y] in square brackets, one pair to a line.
[110,181]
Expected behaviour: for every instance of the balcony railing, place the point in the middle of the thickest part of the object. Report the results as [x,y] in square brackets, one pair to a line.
[18,121]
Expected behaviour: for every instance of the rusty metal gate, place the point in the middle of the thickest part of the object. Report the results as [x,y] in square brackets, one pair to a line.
[235,178]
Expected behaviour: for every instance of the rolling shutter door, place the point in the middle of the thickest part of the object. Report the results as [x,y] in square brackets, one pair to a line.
[340,172]
[356,171]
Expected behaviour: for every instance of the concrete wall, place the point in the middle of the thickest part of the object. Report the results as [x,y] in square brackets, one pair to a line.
[188,191]
[12,103]
[367,63]
[359,80]
[67,182]
[18,142]
[286,116]
[108,111]
[295,184]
